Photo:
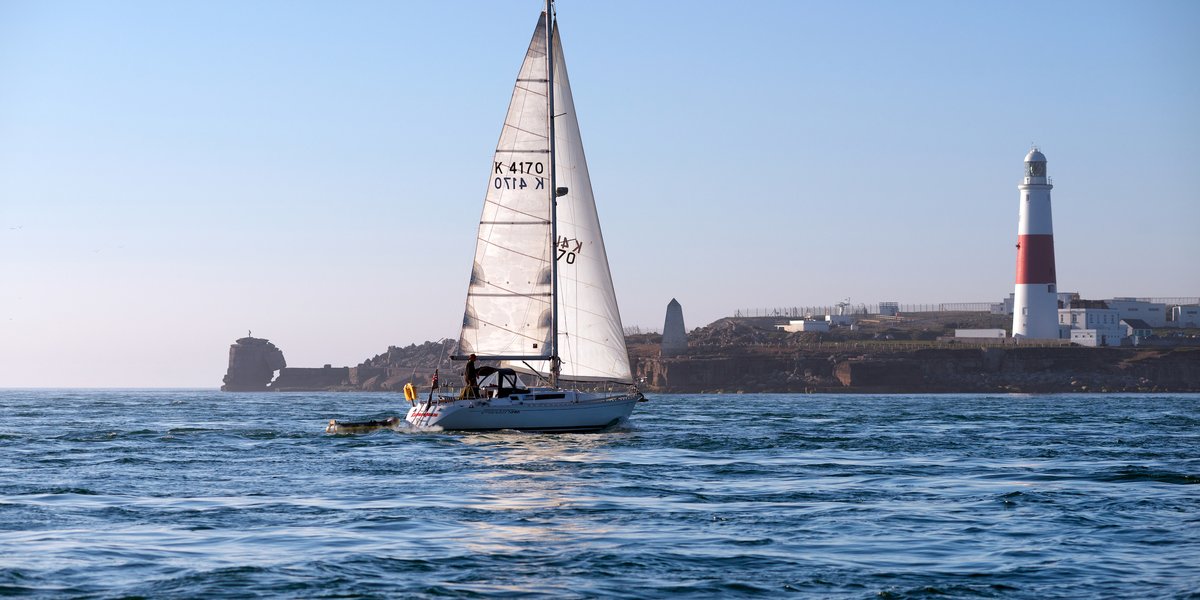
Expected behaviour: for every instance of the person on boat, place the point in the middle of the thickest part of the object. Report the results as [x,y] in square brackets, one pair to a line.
[470,379]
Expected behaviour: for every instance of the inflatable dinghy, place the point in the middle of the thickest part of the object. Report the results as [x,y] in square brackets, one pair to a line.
[336,426]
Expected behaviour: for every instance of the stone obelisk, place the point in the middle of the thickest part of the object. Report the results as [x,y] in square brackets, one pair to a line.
[674,340]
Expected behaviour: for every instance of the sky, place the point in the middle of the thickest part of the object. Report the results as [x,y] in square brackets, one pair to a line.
[175,174]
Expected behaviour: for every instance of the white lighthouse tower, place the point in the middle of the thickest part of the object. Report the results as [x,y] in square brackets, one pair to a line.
[1035,302]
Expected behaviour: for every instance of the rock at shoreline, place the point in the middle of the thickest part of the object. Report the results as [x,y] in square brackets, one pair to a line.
[252,365]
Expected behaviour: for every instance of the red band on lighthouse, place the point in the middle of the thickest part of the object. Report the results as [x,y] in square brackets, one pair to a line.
[1035,259]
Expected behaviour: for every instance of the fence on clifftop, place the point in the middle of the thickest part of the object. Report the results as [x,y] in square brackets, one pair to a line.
[797,312]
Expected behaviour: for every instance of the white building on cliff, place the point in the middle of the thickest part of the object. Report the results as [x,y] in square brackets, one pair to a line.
[1091,326]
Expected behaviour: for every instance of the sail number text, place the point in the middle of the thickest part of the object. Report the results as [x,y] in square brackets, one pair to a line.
[568,249]
[508,176]
[519,168]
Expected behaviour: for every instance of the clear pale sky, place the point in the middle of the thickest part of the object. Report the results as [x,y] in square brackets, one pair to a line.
[173,174]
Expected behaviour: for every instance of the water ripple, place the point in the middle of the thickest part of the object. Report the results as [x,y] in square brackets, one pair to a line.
[158,493]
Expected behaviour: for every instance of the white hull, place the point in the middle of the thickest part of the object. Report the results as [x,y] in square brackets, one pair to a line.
[547,410]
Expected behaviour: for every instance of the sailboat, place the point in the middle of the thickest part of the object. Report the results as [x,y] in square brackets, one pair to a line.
[540,301]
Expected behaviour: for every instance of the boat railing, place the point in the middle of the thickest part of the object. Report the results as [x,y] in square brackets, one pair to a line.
[449,393]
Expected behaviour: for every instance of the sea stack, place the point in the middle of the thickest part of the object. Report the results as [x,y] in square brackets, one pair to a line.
[252,365]
[1035,301]
[674,339]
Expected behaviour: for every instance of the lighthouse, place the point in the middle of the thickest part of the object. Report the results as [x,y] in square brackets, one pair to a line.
[1035,302]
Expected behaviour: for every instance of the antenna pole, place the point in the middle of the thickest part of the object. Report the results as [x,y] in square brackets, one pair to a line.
[554,362]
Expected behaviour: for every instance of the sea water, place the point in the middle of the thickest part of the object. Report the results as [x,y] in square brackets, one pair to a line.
[202,494]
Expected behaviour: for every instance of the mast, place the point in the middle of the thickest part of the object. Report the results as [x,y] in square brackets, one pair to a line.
[553,190]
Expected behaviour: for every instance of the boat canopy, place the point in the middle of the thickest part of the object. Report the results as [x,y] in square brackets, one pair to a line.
[502,381]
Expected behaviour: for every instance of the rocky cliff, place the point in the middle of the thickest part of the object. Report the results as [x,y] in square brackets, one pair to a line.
[879,355]
[386,372]
[252,365]
[902,355]
[933,370]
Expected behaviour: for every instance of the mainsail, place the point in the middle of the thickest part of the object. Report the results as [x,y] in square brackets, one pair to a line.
[508,299]
[508,303]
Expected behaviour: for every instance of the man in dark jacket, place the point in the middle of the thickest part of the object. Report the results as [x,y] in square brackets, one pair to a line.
[470,375]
